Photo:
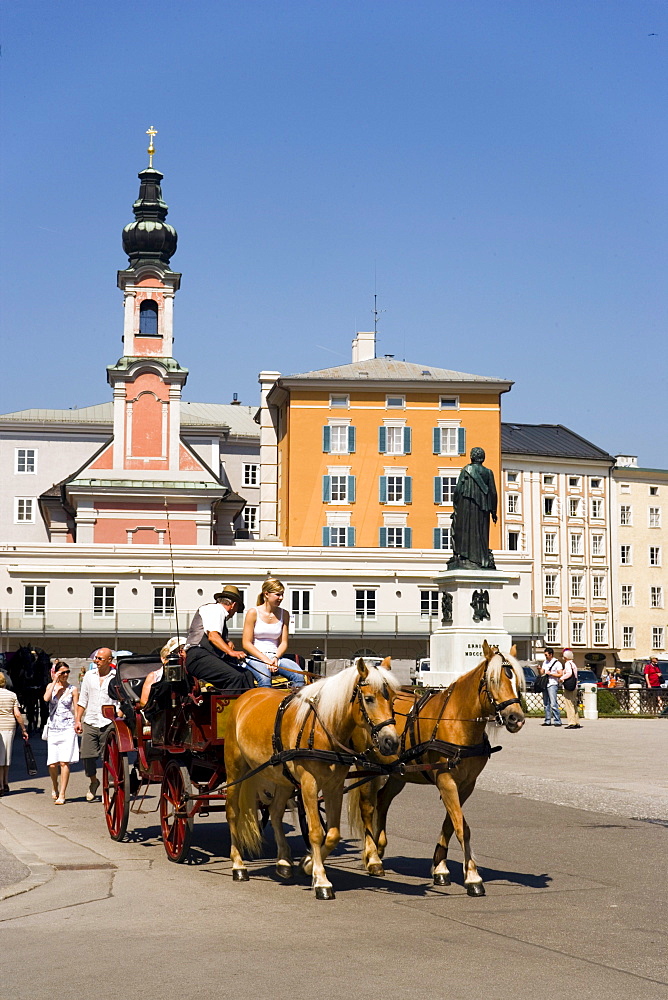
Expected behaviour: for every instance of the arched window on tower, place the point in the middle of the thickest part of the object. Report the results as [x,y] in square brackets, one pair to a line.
[148,318]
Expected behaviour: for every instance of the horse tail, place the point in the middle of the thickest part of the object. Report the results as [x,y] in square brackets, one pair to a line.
[249,835]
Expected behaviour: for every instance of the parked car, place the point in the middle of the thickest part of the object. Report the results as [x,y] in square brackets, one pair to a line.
[639,666]
[587,677]
[421,667]
[530,676]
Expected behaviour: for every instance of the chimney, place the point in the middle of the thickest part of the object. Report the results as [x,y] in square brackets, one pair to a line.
[364,346]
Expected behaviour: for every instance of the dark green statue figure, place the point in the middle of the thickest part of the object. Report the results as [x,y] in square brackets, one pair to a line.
[474,501]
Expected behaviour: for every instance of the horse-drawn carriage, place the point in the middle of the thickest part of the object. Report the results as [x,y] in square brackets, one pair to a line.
[239,751]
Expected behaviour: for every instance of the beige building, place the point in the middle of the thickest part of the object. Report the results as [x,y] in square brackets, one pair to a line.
[556,507]
[640,550]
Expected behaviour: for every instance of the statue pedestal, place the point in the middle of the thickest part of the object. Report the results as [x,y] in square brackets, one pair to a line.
[456,648]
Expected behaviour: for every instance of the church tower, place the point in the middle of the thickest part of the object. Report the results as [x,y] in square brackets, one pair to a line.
[146,485]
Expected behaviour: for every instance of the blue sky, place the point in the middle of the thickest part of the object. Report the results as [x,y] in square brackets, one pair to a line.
[497,168]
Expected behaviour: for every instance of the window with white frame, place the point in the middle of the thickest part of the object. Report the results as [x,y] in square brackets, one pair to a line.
[574,482]
[444,488]
[600,632]
[577,585]
[550,543]
[338,536]
[26,460]
[339,439]
[339,401]
[657,637]
[656,597]
[549,506]
[513,541]
[597,507]
[104,601]
[395,489]
[655,555]
[627,595]
[449,440]
[301,606]
[339,489]
[628,637]
[512,477]
[625,555]
[597,544]
[550,584]
[395,538]
[654,491]
[249,518]
[251,474]
[24,510]
[576,543]
[164,601]
[577,633]
[449,402]
[34,599]
[394,440]
[395,402]
[512,503]
[598,585]
[365,603]
[625,514]
[574,504]
[442,538]
[548,480]
[596,484]
[429,603]
[552,631]
[654,517]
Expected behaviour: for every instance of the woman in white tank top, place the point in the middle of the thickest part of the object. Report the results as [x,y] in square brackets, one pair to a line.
[265,637]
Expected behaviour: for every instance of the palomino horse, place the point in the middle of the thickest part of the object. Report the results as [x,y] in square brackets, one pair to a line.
[320,717]
[455,718]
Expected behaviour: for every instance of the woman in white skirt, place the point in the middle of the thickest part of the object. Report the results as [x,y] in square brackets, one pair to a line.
[62,742]
[9,716]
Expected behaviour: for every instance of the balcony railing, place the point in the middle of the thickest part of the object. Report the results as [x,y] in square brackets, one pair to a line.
[64,622]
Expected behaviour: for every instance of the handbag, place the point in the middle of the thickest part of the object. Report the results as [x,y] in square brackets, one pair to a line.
[45,730]
[571,682]
[31,763]
[540,684]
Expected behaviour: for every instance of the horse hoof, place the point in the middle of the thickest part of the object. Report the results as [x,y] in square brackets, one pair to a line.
[324,892]
[376,870]
[306,865]
[475,889]
[440,878]
[284,872]
[239,875]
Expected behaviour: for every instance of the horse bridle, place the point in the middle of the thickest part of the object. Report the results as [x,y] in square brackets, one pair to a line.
[373,729]
[498,706]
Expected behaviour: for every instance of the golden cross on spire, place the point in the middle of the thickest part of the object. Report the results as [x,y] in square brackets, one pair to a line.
[151,148]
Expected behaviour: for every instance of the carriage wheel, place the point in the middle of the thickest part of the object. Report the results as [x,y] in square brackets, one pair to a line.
[303,822]
[115,788]
[175,824]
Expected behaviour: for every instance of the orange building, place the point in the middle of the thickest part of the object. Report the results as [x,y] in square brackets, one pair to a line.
[367,454]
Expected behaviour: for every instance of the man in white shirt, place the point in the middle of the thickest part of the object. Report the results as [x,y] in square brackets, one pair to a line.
[210,655]
[90,721]
[551,667]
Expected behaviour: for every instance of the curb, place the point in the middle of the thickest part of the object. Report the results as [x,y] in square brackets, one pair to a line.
[40,872]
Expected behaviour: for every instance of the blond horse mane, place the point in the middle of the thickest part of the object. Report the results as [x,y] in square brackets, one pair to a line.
[333,694]
[500,660]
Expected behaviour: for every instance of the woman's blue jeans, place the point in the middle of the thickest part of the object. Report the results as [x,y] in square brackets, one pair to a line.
[262,674]
[552,716]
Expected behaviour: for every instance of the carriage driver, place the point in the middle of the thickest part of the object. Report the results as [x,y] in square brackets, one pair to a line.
[210,656]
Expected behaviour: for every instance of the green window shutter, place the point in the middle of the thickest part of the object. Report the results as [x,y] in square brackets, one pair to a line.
[382,440]
[438,538]
[408,538]
[382,489]
[327,439]
[350,538]
[325,537]
[408,489]
[407,440]
[351,489]
[383,538]
[326,489]
[438,489]
[351,440]
[437,440]
[461,440]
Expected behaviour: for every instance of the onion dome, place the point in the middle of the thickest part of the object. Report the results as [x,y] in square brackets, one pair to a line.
[149,237]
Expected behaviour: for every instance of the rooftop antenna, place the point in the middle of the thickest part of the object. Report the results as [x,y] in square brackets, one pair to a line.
[376,311]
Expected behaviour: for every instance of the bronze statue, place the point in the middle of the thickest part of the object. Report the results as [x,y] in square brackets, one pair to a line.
[474,501]
[446,608]
[479,603]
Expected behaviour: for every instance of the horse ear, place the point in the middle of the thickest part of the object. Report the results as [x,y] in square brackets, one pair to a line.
[387,663]
[487,649]
[513,650]
[362,669]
